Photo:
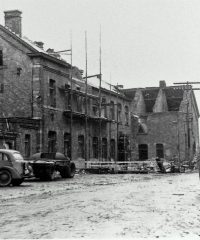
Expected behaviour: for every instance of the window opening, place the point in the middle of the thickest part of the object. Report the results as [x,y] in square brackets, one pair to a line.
[159,150]
[52,138]
[104,148]
[27,143]
[143,151]
[52,93]
[95,147]
[67,144]
[112,149]
[81,150]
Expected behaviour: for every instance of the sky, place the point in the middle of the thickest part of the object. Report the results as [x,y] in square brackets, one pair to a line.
[142,41]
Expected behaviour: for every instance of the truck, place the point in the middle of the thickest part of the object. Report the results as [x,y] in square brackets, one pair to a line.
[45,165]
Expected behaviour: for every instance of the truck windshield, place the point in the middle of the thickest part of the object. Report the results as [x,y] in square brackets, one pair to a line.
[17,156]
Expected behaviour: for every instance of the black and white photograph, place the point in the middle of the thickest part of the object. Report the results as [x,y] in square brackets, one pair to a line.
[99,119]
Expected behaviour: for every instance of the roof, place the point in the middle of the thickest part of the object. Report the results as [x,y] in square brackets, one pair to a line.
[174,96]
[34,49]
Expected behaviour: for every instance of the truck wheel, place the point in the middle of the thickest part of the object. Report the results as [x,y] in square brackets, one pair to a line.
[72,170]
[65,172]
[50,174]
[5,178]
[17,182]
[69,171]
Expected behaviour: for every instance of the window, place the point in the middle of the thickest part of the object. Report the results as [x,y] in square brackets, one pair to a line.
[67,144]
[81,146]
[112,110]
[27,145]
[104,148]
[94,108]
[95,147]
[159,150]
[103,108]
[112,149]
[79,103]
[67,97]
[4,157]
[143,151]
[119,108]
[1,58]
[52,141]
[126,115]
[52,93]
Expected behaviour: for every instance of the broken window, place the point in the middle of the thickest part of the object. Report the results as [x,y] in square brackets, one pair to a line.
[104,148]
[81,146]
[67,144]
[143,151]
[52,141]
[159,150]
[112,149]
[95,147]
[1,58]
[112,110]
[52,93]
[27,145]
[126,115]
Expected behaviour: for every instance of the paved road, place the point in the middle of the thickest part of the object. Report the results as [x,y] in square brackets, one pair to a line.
[103,206]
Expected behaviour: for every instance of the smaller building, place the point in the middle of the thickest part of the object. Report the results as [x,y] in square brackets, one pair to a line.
[168,122]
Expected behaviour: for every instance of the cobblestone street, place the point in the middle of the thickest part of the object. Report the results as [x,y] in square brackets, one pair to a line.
[103,206]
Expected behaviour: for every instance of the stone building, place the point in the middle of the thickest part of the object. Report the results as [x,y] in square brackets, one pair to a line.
[168,122]
[43,103]
[45,107]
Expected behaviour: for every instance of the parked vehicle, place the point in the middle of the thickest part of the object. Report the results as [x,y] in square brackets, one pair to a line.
[13,168]
[45,165]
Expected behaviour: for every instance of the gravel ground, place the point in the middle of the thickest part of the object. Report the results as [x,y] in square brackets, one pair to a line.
[108,206]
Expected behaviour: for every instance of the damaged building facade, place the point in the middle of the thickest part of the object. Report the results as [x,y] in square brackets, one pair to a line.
[168,122]
[47,106]
[44,104]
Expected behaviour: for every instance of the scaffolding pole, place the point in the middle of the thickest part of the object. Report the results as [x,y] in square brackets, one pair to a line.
[100,140]
[71,99]
[86,103]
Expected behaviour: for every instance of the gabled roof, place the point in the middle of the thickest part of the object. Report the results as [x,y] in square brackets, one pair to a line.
[174,96]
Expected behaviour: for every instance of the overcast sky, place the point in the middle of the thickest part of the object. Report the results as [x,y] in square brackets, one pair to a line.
[143,41]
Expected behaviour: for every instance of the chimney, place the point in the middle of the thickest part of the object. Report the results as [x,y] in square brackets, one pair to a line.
[162,84]
[13,21]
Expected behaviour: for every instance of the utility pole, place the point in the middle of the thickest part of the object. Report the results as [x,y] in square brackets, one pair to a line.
[188,87]
[86,104]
